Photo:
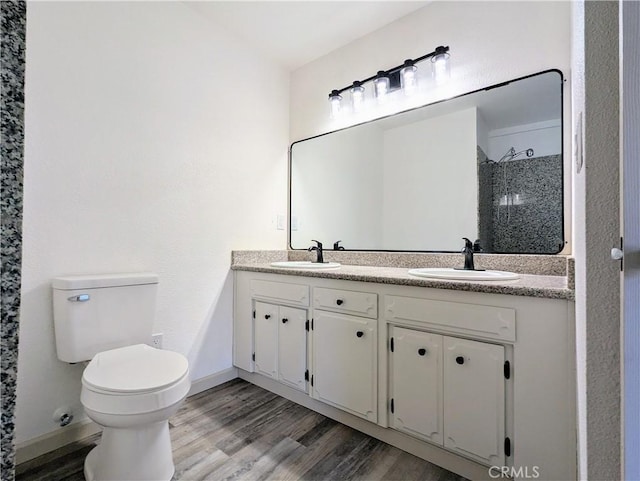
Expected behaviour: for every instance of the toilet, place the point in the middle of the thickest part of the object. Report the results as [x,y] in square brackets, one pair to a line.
[128,387]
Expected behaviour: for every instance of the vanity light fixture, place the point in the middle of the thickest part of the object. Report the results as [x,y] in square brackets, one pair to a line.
[403,77]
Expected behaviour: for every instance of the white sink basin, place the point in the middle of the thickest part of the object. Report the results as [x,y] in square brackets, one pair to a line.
[447,273]
[305,265]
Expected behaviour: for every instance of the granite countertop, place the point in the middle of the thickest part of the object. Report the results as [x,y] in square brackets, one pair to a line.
[530,285]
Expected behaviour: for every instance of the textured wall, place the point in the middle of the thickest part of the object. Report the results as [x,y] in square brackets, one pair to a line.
[597,229]
[155,141]
[602,228]
[13,20]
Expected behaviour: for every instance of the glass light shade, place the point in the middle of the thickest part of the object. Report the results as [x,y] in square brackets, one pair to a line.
[357,97]
[381,85]
[441,68]
[335,101]
[409,79]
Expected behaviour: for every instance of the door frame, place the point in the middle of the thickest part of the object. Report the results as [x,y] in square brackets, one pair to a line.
[630,230]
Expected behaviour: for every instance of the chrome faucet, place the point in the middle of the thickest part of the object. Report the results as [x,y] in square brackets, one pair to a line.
[318,249]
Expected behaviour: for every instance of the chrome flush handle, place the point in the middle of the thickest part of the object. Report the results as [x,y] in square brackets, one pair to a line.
[79,298]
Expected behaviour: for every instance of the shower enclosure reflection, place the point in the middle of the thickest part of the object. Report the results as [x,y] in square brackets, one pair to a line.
[486,165]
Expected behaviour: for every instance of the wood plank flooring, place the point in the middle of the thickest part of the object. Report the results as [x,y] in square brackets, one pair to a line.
[241,432]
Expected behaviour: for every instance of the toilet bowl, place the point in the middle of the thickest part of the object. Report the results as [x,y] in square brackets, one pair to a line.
[128,387]
[131,392]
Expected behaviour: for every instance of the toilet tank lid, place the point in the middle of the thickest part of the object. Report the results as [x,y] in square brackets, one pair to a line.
[104,280]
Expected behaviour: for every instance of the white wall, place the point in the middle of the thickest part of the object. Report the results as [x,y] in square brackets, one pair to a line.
[420,208]
[145,151]
[490,42]
[542,137]
[482,133]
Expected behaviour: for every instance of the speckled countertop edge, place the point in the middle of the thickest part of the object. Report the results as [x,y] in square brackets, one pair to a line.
[550,287]
[544,265]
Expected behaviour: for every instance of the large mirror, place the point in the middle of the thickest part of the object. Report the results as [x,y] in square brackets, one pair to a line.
[486,165]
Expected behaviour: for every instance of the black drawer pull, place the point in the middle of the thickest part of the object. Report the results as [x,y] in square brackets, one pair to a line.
[359,333]
[339,302]
[284,320]
[422,351]
[267,316]
[460,360]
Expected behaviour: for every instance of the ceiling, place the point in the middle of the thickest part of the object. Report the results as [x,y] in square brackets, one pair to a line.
[294,33]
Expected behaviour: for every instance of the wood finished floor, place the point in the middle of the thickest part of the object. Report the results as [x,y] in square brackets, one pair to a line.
[240,432]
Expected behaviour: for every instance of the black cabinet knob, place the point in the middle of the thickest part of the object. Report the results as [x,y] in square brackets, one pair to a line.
[267,316]
[284,320]
[359,333]
[339,302]
[460,360]
[422,351]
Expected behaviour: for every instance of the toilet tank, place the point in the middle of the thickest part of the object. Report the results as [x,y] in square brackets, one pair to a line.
[101,312]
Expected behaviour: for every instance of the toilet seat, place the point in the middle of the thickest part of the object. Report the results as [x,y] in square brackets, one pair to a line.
[134,369]
[134,380]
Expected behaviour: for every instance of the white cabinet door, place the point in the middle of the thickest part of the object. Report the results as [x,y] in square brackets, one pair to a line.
[416,383]
[292,347]
[266,339]
[474,399]
[345,363]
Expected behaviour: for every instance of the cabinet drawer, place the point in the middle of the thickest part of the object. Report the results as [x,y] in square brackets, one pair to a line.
[468,319]
[350,302]
[296,294]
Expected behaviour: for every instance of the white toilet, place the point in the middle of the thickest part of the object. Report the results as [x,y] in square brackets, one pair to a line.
[129,388]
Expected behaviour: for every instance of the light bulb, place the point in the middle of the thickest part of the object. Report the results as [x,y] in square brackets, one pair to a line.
[441,66]
[357,96]
[408,77]
[335,101]
[381,85]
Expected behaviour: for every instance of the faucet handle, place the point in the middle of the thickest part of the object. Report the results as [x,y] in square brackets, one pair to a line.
[467,244]
[319,246]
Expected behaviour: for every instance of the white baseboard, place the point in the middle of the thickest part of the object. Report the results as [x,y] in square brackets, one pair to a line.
[212,380]
[35,447]
[40,445]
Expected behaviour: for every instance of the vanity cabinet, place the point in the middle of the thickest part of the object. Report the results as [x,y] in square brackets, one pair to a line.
[415,383]
[280,346]
[469,385]
[474,399]
[449,391]
[345,350]
[345,362]
[270,330]
[265,351]
[462,381]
